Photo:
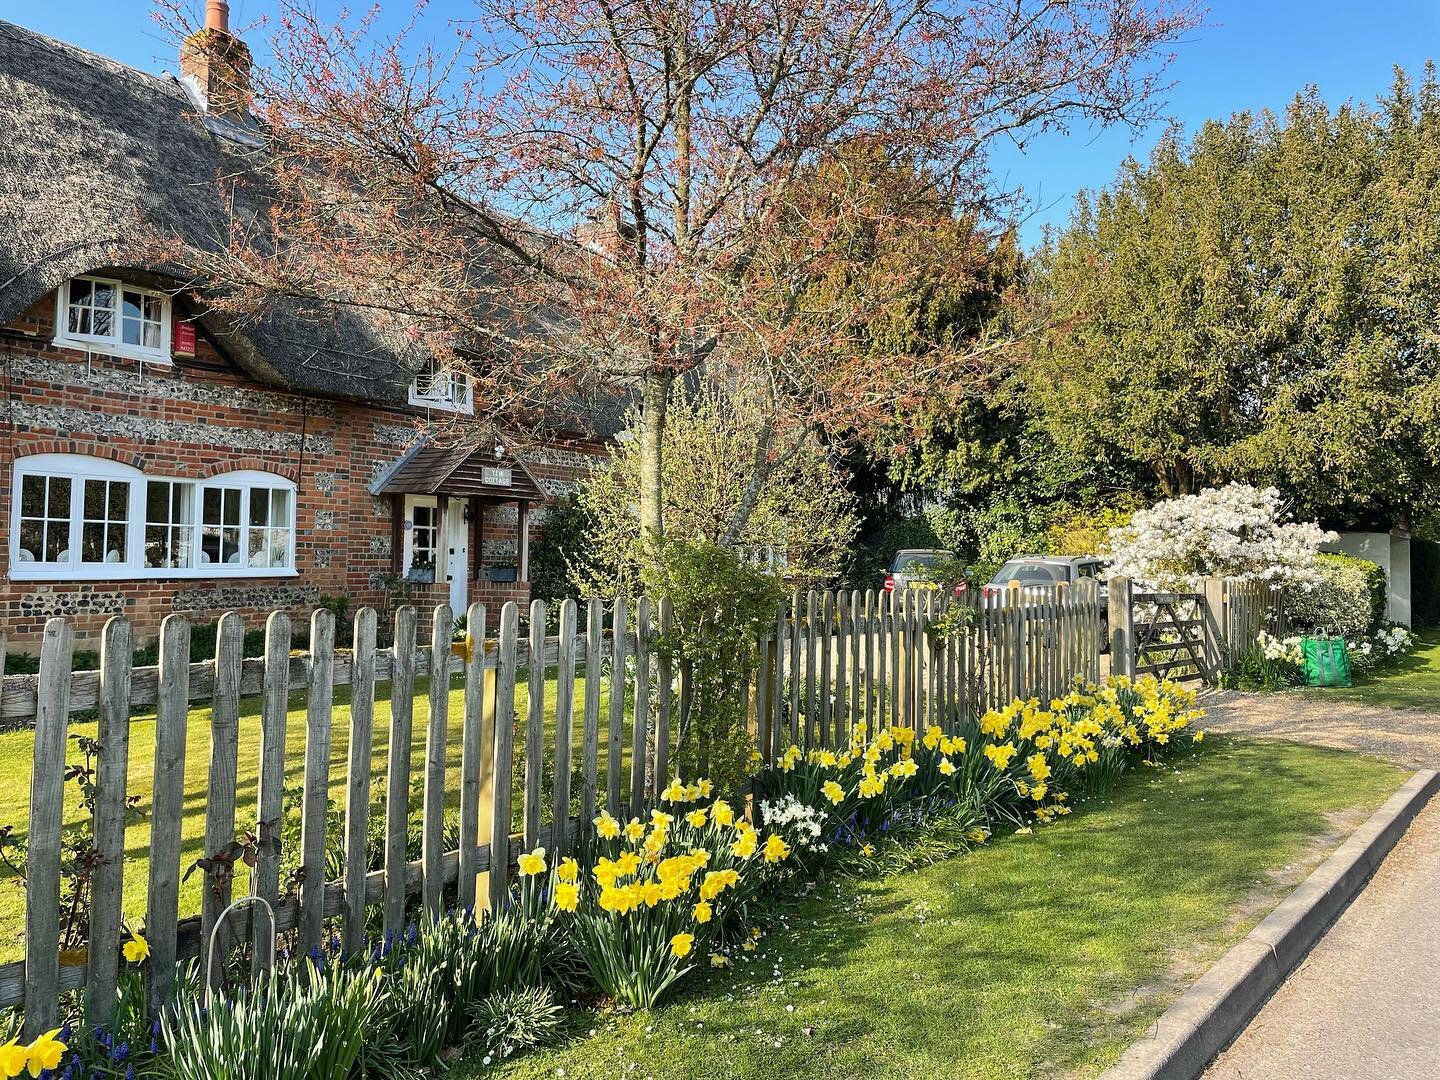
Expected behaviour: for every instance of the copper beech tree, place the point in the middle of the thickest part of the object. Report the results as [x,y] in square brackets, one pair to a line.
[569,199]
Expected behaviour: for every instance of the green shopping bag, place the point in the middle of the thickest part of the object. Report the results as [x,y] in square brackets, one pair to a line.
[1326,661]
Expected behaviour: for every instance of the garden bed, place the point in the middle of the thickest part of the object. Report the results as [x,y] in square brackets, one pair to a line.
[1035,955]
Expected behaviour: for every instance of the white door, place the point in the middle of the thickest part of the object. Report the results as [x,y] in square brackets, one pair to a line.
[457,559]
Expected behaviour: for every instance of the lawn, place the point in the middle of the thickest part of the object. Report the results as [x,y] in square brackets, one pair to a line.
[1408,682]
[15,762]
[1036,955]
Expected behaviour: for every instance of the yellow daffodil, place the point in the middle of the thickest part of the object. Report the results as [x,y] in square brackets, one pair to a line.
[627,863]
[947,767]
[12,1059]
[1199,736]
[775,849]
[675,792]
[703,912]
[607,827]
[567,895]
[833,791]
[136,949]
[706,787]
[681,944]
[1001,756]
[721,813]
[532,862]
[568,870]
[867,850]
[46,1052]
[635,830]
[745,844]
[696,818]
[719,960]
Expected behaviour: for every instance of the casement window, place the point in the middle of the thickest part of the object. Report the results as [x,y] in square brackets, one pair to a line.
[109,316]
[422,533]
[79,517]
[436,388]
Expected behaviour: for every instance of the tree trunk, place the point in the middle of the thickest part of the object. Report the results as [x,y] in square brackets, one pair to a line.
[654,400]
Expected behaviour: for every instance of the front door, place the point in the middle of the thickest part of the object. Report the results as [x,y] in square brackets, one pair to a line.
[457,559]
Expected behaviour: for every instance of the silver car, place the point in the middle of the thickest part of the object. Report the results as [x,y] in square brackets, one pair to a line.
[1037,575]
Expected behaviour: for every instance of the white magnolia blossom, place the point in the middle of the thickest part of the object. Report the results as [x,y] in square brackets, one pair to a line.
[1237,531]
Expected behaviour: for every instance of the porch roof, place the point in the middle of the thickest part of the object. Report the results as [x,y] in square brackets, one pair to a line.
[428,468]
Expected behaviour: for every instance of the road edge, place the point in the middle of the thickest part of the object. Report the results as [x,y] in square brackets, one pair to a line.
[1205,1018]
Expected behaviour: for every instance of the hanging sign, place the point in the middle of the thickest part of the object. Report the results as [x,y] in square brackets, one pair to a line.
[183,343]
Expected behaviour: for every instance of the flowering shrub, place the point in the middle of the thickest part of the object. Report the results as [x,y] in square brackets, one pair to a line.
[1237,531]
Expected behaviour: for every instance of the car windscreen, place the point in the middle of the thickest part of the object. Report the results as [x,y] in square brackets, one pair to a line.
[909,564]
[1030,573]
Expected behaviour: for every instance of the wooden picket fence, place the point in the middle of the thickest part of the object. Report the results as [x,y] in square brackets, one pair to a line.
[831,659]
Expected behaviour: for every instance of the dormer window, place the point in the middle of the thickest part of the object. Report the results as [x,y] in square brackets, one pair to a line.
[436,388]
[106,315]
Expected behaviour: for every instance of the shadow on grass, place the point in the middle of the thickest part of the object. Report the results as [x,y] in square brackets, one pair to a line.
[1009,960]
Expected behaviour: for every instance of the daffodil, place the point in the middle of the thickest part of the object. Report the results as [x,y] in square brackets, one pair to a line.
[867,850]
[607,827]
[696,818]
[635,830]
[681,944]
[568,870]
[675,792]
[12,1059]
[46,1052]
[947,767]
[719,960]
[703,912]
[775,849]
[833,791]
[721,813]
[567,895]
[532,862]
[136,949]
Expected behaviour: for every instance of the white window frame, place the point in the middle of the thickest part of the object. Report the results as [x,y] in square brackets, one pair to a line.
[425,391]
[112,344]
[79,468]
[407,558]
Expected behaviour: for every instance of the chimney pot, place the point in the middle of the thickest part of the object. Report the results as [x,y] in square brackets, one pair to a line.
[217,16]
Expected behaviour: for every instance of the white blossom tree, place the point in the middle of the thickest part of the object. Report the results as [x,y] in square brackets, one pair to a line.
[1236,531]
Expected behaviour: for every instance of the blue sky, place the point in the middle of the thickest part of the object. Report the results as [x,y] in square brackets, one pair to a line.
[1249,55]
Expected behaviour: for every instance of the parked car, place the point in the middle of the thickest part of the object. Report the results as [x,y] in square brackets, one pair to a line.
[1037,576]
[912,568]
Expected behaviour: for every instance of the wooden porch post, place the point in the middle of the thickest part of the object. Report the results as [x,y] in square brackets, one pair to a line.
[524,574]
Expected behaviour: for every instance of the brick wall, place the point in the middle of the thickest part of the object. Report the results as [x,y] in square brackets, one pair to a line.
[198,419]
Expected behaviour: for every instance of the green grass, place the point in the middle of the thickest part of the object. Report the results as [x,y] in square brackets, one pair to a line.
[1408,682]
[16,748]
[1020,959]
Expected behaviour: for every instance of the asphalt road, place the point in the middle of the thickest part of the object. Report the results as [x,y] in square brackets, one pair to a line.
[1365,1004]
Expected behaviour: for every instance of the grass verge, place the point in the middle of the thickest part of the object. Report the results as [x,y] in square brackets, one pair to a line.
[1035,956]
[1407,682]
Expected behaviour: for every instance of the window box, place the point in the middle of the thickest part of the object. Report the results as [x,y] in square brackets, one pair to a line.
[502,573]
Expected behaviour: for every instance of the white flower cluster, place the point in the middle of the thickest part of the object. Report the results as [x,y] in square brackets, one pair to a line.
[1237,531]
[1278,648]
[1366,653]
[801,824]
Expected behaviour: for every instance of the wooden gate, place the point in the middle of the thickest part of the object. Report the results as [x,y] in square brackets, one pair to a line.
[1169,635]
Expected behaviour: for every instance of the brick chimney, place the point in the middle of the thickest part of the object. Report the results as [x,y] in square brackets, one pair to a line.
[216,65]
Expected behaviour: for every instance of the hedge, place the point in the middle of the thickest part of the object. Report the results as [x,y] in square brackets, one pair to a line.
[1351,599]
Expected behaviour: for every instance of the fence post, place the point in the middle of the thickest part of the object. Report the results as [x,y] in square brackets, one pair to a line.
[117,648]
[220,796]
[1122,627]
[315,805]
[357,786]
[166,811]
[1212,615]
[270,790]
[564,730]
[47,811]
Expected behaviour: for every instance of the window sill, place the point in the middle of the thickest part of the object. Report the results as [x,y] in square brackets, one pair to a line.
[123,573]
[105,348]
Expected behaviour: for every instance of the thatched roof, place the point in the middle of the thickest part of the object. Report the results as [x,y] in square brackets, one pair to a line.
[90,148]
